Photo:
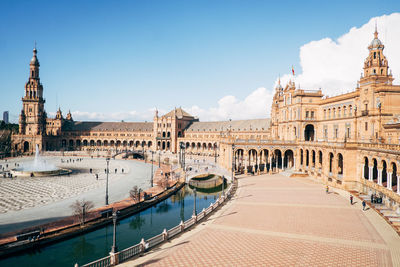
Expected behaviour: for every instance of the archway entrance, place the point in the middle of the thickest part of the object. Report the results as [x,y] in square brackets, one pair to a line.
[309,132]
[288,159]
[26,146]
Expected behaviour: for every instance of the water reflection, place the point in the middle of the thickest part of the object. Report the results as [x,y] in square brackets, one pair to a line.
[137,222]
[81,248]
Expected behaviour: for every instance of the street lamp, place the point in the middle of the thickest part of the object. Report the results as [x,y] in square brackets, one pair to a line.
[108,161]
[233,162]
[114,248]
[194,207]
[223,180]
[151,181]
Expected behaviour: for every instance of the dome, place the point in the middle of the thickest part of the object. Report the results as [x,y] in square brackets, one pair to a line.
[34,60]
[376,43]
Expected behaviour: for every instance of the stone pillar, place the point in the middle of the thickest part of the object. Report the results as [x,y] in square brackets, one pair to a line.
[270,164]
[370,174]
[363,171]
[398,184]
[389,181]
[379,176]
[294,163]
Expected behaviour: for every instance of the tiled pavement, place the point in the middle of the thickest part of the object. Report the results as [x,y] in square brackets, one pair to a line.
[274,220]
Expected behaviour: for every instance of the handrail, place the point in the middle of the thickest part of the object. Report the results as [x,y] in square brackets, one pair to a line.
[103,262]
[137,249]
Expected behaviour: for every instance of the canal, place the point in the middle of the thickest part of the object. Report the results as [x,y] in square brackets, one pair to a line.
[97,244]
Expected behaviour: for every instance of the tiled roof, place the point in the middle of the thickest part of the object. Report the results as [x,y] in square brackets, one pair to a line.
[107,126]
[239,125]
[180,113]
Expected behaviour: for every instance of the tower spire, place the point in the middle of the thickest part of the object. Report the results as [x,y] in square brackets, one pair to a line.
[376,30]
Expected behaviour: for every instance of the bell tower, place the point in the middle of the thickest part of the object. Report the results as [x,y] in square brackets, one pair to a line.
[33,116]
[376,65]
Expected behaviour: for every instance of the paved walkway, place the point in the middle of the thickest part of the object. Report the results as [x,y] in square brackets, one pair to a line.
[26,201]
[275,220]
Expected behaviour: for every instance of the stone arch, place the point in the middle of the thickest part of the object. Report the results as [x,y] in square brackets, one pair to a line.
[366,168]
[330,162]
[78,142]
[168,145]
[92,143]
[131,143]
[313,156]
[125,143]
[301,156]
[168,134]
[112,143]
[26,146]
[252,156]
[340,164]
[278,158]
[159,145]
[394,184]
[163,145]
[309,132]
[118,143]
[137,143]
[307,157]
[384,173]
[187,145]
[320,158]
[375,170]
[149,144]
[98,143]
[85,142]
[193,145]
[71,143]
[288,159]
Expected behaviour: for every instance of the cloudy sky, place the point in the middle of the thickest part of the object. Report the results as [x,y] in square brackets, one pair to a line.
[218,60]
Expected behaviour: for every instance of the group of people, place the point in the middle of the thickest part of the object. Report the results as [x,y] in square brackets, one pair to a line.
[376,198]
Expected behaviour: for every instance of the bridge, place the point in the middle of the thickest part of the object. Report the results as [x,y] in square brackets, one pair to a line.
[195,168]
[127,153]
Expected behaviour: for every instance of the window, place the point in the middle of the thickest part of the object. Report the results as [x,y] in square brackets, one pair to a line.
[312,114]
[374,55]
[306,114]
[366,126]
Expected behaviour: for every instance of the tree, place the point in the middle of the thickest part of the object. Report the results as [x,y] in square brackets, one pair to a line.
[134,193]
[81,208]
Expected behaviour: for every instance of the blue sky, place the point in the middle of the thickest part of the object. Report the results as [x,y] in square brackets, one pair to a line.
[125,56]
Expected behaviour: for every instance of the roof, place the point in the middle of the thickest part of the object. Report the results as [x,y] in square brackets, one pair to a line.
[239,125]
[107,126]
[180,113]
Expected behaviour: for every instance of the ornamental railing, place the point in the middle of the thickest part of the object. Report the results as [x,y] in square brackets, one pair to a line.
[150,243]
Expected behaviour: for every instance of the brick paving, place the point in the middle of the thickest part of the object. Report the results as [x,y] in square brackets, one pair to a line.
[278,221]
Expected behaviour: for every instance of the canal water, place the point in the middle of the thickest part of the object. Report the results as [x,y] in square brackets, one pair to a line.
[97,244]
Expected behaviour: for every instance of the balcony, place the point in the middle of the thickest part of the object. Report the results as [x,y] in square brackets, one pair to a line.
[364,113]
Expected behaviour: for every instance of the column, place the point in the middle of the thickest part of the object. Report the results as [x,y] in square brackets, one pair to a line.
[398,183]
[259,163]
[363,171]
[270,164]
[370,174]
[379,176]
[389,181]
[294,163]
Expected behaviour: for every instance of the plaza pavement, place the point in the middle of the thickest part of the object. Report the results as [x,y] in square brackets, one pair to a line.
[274,220]
[26,202]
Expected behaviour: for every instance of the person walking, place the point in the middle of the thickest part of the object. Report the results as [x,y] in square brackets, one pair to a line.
[351,199]
[327,189]
[363,204]
[372,198]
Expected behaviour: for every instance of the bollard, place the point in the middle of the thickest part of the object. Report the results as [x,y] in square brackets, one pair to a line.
[182,225]
[165,234]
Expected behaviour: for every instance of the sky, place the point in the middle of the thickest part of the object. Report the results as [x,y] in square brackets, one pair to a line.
[219,60]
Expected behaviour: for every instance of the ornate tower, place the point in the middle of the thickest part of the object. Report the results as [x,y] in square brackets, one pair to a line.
[33,117]
[376,64]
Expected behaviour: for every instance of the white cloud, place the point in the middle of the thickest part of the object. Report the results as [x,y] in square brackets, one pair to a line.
[336,65]
[333,65]
[255,105]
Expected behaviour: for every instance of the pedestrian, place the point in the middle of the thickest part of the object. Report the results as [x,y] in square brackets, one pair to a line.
[327,189]
[351,199]
[363,204]
[372,198]
[115,170]
[105,170]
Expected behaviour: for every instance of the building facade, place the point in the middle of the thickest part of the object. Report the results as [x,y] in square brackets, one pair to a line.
[350,140]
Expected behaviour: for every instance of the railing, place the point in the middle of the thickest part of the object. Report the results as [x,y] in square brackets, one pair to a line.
[138,249]
[103,262]
[155,240]
[129,253]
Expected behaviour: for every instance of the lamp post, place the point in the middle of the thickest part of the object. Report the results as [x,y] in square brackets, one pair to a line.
[159,158]
[114,248]
[194,207]
[151,181]
[223,181]
[233,163]
[108,161]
